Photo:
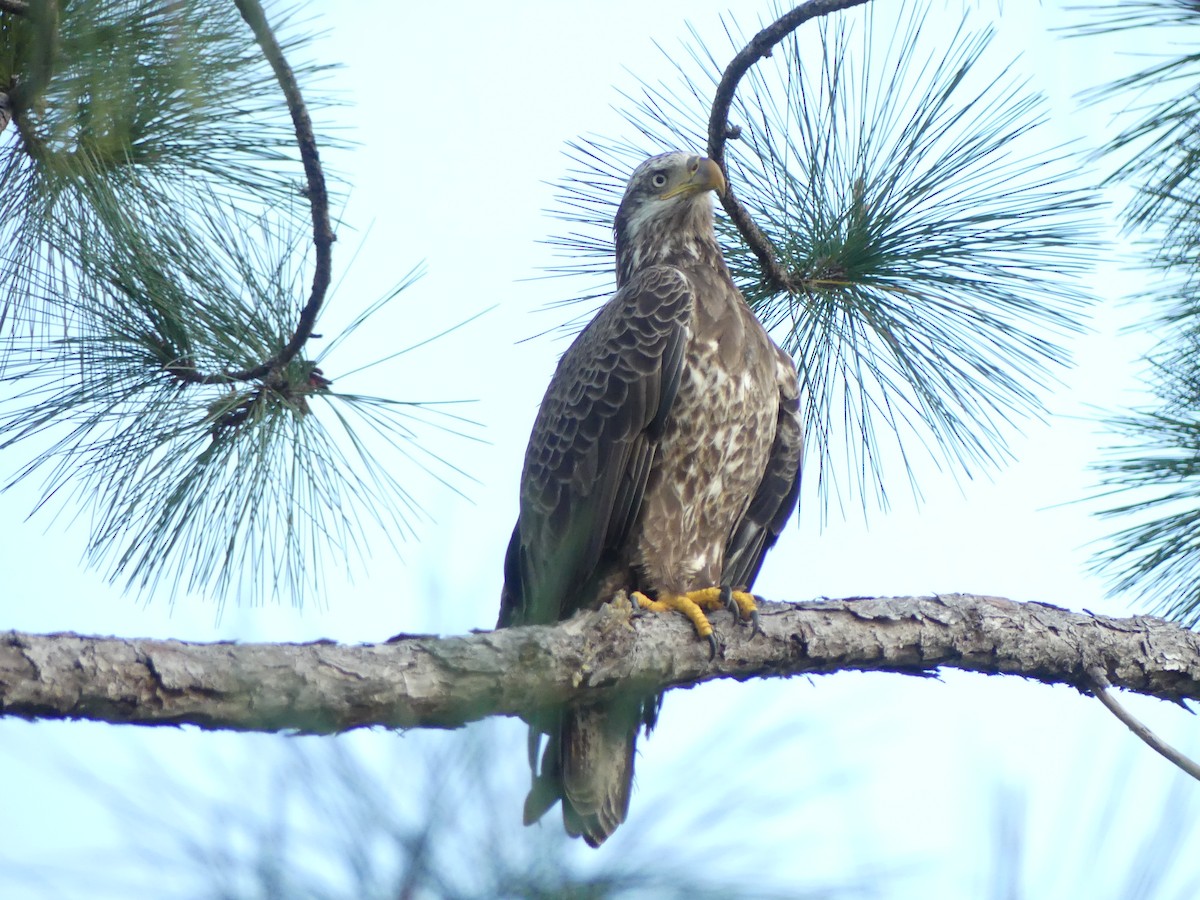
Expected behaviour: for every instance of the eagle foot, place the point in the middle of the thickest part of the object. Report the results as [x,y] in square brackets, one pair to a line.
[743,606]
[690,604]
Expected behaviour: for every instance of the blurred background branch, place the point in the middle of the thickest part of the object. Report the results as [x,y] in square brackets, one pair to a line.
[1149,477]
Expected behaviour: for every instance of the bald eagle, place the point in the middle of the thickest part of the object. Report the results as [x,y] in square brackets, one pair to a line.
[664,462]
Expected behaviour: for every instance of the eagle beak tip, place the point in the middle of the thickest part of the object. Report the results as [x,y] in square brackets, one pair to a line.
[713,177]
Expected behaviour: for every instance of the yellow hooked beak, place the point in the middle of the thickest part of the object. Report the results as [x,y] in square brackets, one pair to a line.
[703,175]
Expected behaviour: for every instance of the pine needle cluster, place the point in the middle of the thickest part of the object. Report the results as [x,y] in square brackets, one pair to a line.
[156,229]
[932,246]
[1154,469]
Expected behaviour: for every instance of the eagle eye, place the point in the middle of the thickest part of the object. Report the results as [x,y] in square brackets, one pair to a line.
[659,179]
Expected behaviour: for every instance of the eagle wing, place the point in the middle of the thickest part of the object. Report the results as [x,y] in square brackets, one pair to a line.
[594,445]
[775,500]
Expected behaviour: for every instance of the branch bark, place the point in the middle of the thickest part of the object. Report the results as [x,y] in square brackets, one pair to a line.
[426,681]
[719,129]
[315,190]
[1100,687]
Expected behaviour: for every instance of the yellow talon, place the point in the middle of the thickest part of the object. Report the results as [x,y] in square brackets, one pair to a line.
[706,598]
[693,604]
[680,603]
[714,598]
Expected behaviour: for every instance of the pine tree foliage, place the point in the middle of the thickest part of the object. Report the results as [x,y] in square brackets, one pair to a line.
[1154,472]
[156,231]
[932,249]
[119,121]
[156,241]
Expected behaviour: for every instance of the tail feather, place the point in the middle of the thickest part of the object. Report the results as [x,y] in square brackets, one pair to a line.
[597,771]
[588,764]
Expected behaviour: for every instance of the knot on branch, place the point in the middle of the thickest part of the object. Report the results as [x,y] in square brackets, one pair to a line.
[284,389]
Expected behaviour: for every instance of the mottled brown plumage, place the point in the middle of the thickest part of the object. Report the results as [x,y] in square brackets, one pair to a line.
[664,459]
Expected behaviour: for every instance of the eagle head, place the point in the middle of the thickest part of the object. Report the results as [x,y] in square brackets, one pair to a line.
[666,211]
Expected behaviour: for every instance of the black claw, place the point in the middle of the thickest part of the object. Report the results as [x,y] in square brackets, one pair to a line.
[728,602]
[712,646]
[755,625]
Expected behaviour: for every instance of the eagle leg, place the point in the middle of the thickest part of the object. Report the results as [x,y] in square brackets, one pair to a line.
[690,605]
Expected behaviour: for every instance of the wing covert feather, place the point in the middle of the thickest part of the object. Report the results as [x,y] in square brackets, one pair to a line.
[593,445]
[777,494]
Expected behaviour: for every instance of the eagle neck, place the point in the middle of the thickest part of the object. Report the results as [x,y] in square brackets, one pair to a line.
[682,237]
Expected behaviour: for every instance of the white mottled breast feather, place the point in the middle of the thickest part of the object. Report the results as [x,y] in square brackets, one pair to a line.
[714,451]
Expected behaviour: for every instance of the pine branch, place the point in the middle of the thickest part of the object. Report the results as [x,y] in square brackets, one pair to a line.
[318,197]
[1101,688]
[426,681]
[168,235]
[929,248]
[1150,478]
[315,190]
[719,131]
[124,149]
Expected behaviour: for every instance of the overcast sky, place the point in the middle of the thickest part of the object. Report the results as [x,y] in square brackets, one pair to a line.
[459,113]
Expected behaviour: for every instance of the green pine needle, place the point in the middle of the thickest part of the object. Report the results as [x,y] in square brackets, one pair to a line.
[1157,472]
[153,238]
[239,493]
[904,189]
[1152,476]
[133,118]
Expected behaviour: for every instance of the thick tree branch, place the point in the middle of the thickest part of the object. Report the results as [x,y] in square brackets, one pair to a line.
[425,681]
[719,130]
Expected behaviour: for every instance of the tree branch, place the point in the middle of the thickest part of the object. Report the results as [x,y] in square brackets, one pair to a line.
[426,681]
[1101,686]
[24,88]
[719,130]
[318,198]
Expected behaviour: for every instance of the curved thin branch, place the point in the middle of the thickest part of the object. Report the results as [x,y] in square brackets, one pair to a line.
[318,198]
[1101,688]
[719,130]
[23,91]
[425,681]
[19,95]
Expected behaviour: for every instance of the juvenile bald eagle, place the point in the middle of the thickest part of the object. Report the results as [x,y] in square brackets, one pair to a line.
[664,461]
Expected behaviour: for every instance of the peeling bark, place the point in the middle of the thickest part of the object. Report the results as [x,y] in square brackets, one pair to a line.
[427,681]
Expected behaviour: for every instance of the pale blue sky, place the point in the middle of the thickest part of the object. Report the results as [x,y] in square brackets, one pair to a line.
[460,113]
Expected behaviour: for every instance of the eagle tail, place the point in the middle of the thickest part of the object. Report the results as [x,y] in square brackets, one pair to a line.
[588,764]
